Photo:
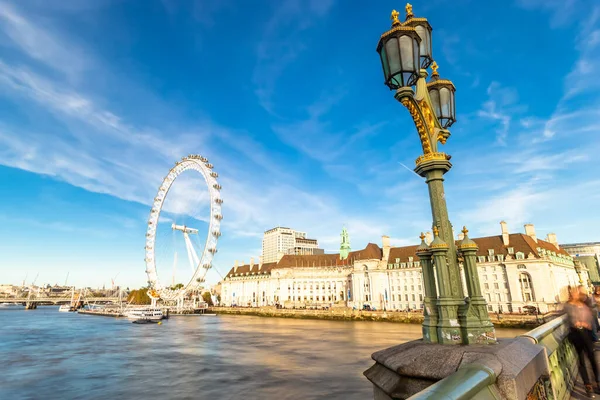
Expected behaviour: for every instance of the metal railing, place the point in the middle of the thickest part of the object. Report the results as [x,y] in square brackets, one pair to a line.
[476,381]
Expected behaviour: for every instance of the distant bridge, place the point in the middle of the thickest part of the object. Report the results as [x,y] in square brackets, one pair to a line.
[58,300]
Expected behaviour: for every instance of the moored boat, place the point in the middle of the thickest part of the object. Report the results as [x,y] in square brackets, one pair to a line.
[144,313]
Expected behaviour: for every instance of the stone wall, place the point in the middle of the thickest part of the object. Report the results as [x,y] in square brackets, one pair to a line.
[347,314]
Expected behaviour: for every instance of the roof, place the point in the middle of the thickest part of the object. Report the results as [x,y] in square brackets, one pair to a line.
[372,251]
[518,241]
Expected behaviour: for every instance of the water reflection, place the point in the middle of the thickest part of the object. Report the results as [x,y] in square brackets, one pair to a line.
[62,355]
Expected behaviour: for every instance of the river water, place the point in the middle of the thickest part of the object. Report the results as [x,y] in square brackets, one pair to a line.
[45,354]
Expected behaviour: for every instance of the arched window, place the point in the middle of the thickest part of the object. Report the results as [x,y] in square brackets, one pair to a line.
[526,287]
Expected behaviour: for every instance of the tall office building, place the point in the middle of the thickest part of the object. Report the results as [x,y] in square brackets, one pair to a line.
[282,240]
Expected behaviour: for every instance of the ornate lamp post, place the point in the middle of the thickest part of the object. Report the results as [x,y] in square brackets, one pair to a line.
[406,53]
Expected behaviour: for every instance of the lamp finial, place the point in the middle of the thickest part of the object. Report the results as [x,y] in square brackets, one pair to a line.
[422,237]
[434,68]
[394,18]
[465,230]
[436,231]
[409,12]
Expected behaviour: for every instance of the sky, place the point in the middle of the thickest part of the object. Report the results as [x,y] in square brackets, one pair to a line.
[99,99]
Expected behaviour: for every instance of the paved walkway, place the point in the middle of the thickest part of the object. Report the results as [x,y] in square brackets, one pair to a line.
[579,390]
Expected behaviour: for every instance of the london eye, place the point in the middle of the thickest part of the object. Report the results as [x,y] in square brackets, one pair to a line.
[188,200]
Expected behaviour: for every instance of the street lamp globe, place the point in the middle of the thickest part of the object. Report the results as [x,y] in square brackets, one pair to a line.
[441,92]
[399,51]
[423,29]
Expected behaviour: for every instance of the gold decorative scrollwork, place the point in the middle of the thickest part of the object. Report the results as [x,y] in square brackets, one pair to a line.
[419,123]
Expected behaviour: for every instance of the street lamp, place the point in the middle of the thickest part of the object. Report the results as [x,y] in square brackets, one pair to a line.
[405,51]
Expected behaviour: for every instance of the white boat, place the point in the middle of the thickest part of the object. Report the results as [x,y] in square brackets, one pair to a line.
[71,307]
[3,305]
[144,313]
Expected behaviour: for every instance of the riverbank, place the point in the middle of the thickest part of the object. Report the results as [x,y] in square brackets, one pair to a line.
[346,314]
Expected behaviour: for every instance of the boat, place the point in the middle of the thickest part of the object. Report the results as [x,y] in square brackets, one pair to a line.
[66,308]
[144,313]
[6,305]
[145,321]
[73,305]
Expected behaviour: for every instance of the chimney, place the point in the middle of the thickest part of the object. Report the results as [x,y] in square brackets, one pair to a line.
[428,238]
[260,263]
[552,239]
[530,231]
[461,236]
[235,266]
[385,240]
[251,262]
[505,234]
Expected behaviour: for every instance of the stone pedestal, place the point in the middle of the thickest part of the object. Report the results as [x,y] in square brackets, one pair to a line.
[404,370]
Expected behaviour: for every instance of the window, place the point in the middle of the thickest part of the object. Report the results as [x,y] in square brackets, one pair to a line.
[490,252]
[500,257]
[496,286]
[406,297]
[526,287]
[420,297]
[481,259]
[485,277]
[489,297]
[490,308]
[403,265]
[511,250]
[486,286]
[520,256]
[413,297]
[495,277]
[406,288]
[410,259]
[397,260]
[412,287]
[419,287]
[498,298]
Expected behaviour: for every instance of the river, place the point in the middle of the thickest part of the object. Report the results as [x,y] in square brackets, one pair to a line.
[50,355]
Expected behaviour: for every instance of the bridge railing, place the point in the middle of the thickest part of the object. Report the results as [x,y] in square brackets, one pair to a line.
[476,381]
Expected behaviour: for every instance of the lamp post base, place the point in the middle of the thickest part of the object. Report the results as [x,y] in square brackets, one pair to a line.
[448,325]
[475,323]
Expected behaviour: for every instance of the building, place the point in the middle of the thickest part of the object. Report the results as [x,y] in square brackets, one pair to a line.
[588,254]
[280,241]
[516,271]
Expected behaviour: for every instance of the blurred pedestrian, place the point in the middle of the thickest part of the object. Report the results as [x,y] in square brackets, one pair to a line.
[590,301]
[580,321]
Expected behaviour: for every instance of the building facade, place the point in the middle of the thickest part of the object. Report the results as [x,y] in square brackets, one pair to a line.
[280,241]
[588,254]
[517,271]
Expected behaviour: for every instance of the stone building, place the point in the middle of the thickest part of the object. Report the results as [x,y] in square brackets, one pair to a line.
[588,254]
[516,270]
[282,240]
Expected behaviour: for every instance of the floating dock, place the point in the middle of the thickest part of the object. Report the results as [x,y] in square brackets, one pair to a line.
[102,313]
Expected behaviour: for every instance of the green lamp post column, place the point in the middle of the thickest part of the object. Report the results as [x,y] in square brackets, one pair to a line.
[475,323]
[430,315]
[406,53]
[448,325]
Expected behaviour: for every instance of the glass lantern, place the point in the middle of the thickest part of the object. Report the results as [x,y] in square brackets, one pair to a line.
[441,92]
[423,29]
[399,50]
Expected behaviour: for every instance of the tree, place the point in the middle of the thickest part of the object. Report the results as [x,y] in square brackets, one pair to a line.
[207,298]
[139,296]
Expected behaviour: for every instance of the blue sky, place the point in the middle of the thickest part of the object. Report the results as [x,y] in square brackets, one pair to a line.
[98,99]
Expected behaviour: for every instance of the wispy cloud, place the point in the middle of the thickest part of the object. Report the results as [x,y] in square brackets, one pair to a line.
[282,43]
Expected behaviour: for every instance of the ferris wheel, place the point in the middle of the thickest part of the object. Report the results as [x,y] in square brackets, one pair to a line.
[180,216]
